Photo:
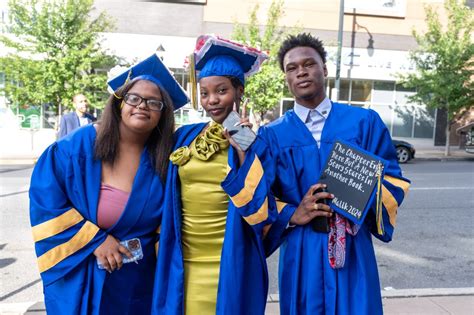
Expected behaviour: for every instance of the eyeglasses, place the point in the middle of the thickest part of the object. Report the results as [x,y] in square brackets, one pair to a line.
[135,100]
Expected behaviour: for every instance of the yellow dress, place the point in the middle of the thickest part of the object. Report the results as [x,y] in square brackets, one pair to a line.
[204,213]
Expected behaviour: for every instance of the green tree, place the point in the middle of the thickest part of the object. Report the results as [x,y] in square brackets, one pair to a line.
[54,52]
[444,62]
[265,88]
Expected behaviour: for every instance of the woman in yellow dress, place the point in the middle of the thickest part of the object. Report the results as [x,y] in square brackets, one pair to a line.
[211,258]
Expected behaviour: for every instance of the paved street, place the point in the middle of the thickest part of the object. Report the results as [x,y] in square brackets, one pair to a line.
[433,245]
[20,281]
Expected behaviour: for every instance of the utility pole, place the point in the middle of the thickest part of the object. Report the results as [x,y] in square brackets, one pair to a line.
[339,49]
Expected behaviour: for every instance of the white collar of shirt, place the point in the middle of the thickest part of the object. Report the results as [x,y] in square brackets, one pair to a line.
[323,109]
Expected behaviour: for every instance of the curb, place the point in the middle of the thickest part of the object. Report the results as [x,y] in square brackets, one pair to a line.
[407,293]
[38,307]
[442,159]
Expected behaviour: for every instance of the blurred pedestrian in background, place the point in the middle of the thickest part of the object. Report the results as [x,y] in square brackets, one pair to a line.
[78,118]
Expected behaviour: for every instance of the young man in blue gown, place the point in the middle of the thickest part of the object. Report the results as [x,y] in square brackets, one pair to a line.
[323,273]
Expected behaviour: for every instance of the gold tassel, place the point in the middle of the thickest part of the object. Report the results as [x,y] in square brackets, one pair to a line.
[126,81]
[378,209]
[193,81]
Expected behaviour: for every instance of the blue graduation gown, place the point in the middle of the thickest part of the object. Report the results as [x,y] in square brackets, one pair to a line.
[308,285]
[243,277]
[64,194]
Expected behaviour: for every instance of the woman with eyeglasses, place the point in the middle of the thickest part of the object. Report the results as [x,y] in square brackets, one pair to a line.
[211,258]
[96,197]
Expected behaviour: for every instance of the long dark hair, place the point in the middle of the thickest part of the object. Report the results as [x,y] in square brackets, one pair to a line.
[159,143]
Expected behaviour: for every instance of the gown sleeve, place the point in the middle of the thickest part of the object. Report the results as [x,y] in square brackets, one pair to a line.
[394,186]
[63,237]
[279,229]
[249,189]
[252,183]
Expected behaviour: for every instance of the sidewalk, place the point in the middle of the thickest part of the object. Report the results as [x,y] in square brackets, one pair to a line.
[22,146]
[455,301]
[425,150]
[455,305]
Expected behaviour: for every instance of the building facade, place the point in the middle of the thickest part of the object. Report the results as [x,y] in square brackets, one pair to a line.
[376,41]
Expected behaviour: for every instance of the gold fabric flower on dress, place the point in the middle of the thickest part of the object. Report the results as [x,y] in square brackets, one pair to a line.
[203,147]
[214,135]
[180,156]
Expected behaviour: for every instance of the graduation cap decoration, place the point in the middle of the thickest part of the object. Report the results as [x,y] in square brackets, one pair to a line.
[152,69]
[215,56]
[354,176]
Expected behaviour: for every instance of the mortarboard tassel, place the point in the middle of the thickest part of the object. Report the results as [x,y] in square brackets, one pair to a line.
[126,81]
[193,81]
[378,209]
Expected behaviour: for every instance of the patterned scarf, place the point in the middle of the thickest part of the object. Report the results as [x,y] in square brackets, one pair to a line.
[338,227]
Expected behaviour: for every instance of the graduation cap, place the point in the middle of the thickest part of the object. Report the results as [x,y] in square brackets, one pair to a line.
[215,56]
[354,176]
[152,69]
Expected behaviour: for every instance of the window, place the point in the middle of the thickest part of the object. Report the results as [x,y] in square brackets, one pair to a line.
[180,75]
[384,92]
[385,112]
[344,92]
[285,105]
[402,117]
[424,122]
[403,121]
[361,90]
[402,94]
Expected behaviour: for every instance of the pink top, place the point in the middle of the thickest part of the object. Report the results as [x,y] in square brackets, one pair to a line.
[112,202]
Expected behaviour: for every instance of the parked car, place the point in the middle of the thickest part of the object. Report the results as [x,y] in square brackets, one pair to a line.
[405,150]
[470,141]
[469,146]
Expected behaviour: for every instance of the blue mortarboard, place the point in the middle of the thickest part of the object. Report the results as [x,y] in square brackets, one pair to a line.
[216,56]
[153,69]
[222,65]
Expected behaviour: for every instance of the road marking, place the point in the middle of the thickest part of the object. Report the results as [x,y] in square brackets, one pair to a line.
[26,286]
[14,193]
[441,188]
[402,257]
